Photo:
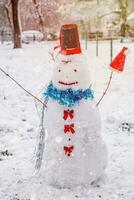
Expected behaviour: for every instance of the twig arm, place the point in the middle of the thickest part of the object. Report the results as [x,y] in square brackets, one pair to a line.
[29,93]
[104,93]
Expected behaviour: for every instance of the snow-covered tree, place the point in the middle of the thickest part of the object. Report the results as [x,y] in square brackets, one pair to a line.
[123,14]
[3,16]
[5,20]
[93,14]
[82,12]
[40,15]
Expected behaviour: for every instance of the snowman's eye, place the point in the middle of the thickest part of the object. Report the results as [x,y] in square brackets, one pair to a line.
[59,70]
[75,70]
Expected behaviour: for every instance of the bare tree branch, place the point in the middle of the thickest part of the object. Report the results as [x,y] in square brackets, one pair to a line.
[38,14]
[29,93]
[8,14]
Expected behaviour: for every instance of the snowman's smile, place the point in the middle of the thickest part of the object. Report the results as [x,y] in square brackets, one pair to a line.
[64,83]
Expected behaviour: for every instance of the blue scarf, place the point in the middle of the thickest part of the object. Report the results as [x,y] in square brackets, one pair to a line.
[68,97]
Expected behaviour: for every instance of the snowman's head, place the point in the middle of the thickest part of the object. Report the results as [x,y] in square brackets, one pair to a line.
[71,71]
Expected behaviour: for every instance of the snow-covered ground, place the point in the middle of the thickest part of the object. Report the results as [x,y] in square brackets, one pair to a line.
[19,122]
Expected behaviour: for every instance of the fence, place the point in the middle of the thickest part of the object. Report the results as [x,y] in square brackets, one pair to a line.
[5,36]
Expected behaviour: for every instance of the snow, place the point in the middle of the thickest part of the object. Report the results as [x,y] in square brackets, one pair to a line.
[19,122]
[71,72]
[131,16]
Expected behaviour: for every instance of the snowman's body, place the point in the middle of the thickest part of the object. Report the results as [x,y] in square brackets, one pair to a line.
[74,151]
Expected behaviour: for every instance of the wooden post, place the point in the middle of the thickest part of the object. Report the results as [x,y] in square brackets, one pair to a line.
[97,44]
[2,36]
[111,49]
[16,24]
[86,40]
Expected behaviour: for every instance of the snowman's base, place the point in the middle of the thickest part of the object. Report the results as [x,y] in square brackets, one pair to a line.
[96,183]
[99,182]
[49,191]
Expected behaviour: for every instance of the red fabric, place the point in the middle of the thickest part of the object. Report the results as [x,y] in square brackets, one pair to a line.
[71,51]
[69,128]
[68,114]
[119,60]
[68,150]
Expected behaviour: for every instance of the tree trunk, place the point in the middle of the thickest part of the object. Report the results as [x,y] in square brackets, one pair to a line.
[16,24]
[41,24]
[8,14]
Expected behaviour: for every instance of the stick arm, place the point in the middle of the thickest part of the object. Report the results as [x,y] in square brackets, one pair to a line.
[105,91]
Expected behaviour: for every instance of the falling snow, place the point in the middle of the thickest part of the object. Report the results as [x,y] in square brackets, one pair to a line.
[19,122]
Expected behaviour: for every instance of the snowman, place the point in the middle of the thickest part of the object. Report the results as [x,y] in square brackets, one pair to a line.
[74,153]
